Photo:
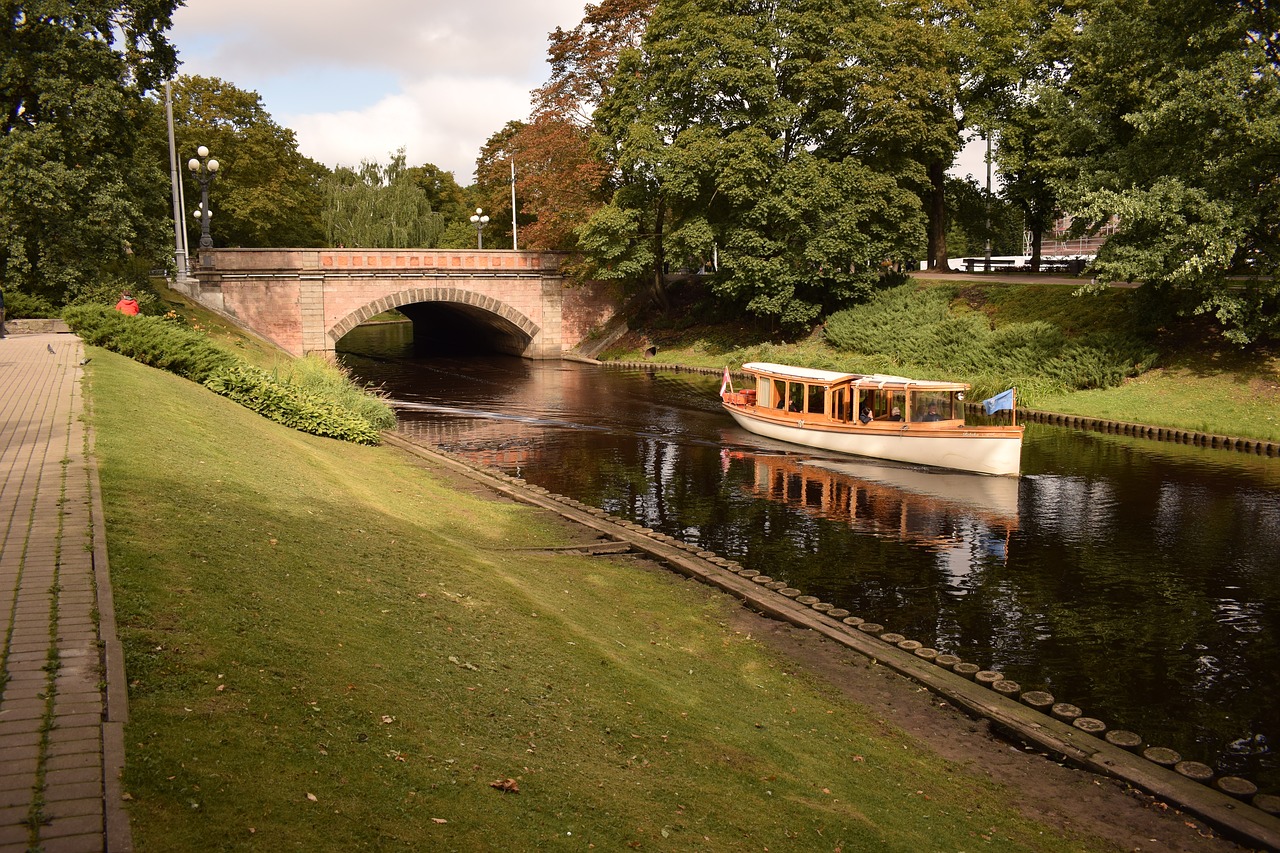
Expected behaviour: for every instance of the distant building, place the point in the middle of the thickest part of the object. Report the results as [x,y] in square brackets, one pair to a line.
[1057,244]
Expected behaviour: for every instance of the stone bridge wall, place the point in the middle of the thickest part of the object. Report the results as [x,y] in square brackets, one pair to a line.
[305,300]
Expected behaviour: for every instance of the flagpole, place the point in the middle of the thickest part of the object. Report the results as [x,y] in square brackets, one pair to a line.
[1013,412]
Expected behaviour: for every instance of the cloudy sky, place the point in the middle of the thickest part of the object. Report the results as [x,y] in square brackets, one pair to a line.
[356,81]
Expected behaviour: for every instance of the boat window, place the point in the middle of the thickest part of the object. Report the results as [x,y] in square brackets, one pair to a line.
[898,400]
[840,404]
[779,398]
[817,400]
[939,401]
[763,397]
[795,401]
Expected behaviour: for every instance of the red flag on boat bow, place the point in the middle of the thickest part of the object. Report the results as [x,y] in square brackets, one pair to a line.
[726,383]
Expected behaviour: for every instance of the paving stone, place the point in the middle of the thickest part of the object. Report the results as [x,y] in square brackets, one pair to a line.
[75,747]
[73,791]
[74,761]
[72,775]
[13,814]
[75,807]
[86,843]
[77,825]
[18,776]
[16,797]
[14,837]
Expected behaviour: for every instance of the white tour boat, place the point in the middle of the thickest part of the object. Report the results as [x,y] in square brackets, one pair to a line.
[884,417]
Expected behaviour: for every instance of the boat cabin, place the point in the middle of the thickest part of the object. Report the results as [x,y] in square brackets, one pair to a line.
[854,398]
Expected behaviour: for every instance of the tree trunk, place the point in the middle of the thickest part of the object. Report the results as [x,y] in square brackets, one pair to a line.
[938,259]
[1037,238]
[660,258]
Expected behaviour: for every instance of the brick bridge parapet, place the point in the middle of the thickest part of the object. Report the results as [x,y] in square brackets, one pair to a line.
[305,300]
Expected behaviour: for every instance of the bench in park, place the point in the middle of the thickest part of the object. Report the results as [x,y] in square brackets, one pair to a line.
[971,263]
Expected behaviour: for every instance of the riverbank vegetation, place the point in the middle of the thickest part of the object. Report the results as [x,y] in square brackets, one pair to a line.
[1104,355]
[330,647]
[308,394]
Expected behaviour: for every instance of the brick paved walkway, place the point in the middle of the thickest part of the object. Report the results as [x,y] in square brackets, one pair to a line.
[62,701]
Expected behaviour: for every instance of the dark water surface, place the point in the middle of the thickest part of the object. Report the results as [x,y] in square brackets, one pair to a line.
[1136,579]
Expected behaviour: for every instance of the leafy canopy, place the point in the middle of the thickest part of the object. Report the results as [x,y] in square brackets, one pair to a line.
[756,134]
[1170,121]
[79,197]
[266,193]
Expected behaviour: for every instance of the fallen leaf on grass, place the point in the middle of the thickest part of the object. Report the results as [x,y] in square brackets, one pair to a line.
[312,797]
[507,786]
[387,719]
[438,820]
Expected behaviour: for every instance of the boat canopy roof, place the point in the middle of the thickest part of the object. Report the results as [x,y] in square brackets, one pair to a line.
[860,380]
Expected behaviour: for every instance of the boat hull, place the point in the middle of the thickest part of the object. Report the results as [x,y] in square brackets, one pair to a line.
[982,450]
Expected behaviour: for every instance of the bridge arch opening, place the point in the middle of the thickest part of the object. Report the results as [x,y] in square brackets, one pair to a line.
[449,321]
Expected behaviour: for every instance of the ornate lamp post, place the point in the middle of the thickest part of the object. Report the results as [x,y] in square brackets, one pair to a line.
[205,168]
[479,220]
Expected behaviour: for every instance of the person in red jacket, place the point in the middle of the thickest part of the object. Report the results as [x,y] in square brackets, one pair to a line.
[127,304]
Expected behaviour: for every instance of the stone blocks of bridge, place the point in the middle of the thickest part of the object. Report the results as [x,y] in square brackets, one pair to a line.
[305,300]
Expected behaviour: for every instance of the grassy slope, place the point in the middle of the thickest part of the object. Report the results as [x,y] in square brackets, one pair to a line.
[1200,383]
[329,648]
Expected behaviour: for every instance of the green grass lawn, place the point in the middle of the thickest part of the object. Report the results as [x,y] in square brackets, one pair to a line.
[329,647]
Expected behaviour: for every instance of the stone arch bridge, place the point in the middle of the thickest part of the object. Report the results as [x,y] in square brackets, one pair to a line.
[305,300]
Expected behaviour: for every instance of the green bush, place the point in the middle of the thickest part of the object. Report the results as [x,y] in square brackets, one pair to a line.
[290,405]
[326,379]
[319,399]
[920,331]
[19,305]
[154,341]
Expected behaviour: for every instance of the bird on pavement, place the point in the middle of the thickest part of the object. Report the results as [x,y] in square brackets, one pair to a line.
[49,347]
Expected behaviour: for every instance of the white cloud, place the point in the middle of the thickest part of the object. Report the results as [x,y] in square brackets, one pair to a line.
[357,81]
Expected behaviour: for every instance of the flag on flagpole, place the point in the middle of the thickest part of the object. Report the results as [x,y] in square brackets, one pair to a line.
[999,403]
[726,383]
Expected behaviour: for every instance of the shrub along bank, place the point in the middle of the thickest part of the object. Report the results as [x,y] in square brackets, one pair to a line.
[317,398]
[329,648]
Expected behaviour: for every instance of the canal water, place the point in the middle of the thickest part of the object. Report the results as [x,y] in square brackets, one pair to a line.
[1136,579]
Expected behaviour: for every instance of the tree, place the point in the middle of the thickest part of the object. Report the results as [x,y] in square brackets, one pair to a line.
[77,198]
[1171,124]
[969,54]
[1025,157]
[584,60]
[379,207]
[761,133]
[560,178]
[975,216]
[266,193]
[442,191]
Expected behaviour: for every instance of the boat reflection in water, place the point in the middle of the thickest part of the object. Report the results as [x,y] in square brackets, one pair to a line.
[959,516]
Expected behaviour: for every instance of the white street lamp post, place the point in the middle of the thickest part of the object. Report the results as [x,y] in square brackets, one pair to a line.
[479,220]
[205,168]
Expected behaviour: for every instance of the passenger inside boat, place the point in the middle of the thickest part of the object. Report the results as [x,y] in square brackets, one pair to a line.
[932,413]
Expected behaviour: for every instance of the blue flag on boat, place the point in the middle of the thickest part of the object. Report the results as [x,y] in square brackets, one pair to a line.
[999,403]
